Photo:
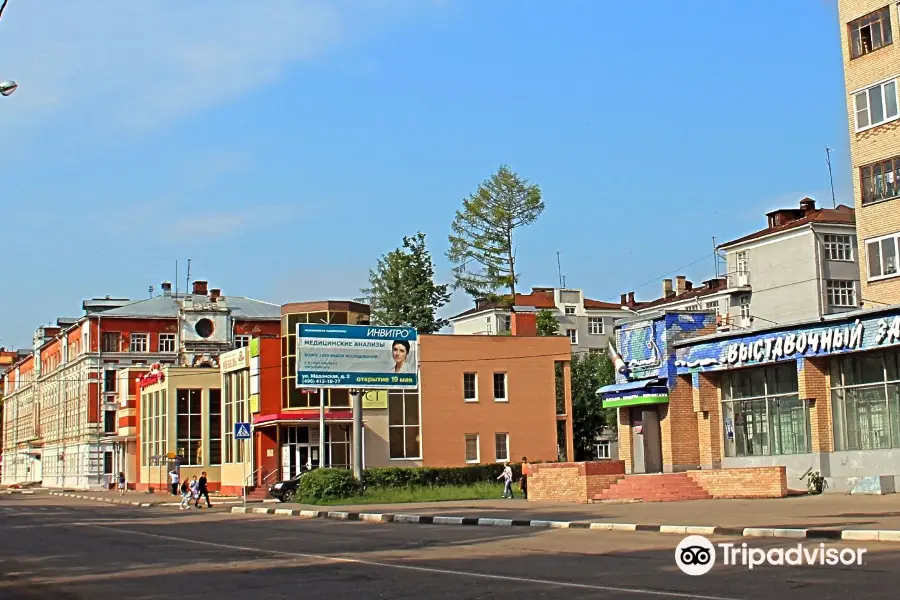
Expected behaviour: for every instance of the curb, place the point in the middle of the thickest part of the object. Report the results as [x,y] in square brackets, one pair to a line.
[870,535]
[107,500]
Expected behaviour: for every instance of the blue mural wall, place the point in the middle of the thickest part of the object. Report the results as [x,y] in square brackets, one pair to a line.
[647,346]
[880,330]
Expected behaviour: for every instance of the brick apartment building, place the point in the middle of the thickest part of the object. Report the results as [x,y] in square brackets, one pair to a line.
[870,59]
[64,422]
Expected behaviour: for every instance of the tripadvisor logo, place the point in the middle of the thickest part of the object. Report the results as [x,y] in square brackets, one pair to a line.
[696,555]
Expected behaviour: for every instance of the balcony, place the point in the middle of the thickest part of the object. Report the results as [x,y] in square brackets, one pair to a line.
[738,280]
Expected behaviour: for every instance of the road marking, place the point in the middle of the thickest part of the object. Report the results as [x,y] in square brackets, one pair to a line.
[433,570]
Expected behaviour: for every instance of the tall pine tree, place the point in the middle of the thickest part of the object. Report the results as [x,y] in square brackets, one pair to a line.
[402,290]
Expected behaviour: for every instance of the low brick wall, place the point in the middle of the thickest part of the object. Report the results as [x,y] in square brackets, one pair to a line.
[750,482]
[573,481]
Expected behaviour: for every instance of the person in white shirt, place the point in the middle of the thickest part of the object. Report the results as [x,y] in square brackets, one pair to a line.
[507,477]
[173,481]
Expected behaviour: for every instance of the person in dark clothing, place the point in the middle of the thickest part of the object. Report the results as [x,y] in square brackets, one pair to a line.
[202,491]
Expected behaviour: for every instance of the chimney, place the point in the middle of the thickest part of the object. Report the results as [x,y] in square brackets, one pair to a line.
[166,288]
[523,324]
[630,302]
[200,288]
[624,300]
[680,285]
[214,294]
[667,288]
[807,205]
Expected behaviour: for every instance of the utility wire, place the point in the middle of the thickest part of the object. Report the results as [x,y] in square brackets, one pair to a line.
[3,6]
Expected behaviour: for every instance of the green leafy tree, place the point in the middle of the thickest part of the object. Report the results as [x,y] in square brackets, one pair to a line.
[547,323]
[482,233]
[402,290]
[589,372]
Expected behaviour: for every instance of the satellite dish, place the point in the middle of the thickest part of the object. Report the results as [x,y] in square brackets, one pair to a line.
[8,87]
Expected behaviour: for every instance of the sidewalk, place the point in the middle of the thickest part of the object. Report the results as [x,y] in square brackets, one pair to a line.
[823,511]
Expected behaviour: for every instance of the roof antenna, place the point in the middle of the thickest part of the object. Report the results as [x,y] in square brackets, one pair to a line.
[828,152]
[187,286]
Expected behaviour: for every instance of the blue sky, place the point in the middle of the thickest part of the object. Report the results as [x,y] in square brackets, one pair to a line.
[284,147]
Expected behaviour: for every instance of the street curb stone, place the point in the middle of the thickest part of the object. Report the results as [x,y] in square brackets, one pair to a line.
[880,535]
[107,500]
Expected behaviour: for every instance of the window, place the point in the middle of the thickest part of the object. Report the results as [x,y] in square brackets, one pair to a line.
[188,426]
[215,427]
[882,257]
[880,181]
[501,447]
[841,293]
[742,263]
[107,463]
[500,387]
[109,381]
[745,307]
[601,450]
[140,342]
[573,335]
[869,33]
[570,310]
[712,305]
[470,387]
[241,341]
[595,325]
[167,342]
[865,401]
[109,421]
[763,413]
[472,448]
[153,435]
[111,342]
[876,105]
[234,410]
[403,424]
[839,247]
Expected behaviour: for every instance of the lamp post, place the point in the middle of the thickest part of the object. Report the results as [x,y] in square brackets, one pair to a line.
[8,87]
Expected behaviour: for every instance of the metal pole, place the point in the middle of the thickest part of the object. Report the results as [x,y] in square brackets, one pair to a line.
[321,428]
[357,435]
[244,462]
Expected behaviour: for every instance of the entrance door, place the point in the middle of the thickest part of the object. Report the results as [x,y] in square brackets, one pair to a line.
[302,459]
[637,439]
[37,471]
[652,440]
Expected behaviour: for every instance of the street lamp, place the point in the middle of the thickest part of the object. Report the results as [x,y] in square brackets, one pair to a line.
[8,87]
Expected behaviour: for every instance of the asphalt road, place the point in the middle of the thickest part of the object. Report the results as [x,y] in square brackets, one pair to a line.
[69,549]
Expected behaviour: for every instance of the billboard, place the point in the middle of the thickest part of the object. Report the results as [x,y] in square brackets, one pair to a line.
[357,357]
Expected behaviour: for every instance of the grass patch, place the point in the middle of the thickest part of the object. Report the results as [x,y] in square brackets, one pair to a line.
[385,495]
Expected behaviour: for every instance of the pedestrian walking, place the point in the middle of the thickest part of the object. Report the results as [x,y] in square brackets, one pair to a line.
[202,490]
[186,494]
[173,480]
[523,483]
[507,477]
[195,488]
[122,483]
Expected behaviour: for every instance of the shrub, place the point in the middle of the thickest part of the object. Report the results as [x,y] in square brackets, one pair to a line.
[327,484]
[398,477]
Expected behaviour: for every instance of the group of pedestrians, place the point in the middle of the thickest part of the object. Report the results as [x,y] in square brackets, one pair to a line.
[507,477]
[194,489]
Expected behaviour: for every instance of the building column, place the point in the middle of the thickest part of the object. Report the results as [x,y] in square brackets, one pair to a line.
[678,428]
[567,387]
[708,410]
[624,440]
[814,385]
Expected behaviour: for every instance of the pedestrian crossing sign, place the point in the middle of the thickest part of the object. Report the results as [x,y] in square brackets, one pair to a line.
[242,431]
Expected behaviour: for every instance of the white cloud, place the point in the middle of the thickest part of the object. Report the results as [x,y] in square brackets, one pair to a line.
[135,66]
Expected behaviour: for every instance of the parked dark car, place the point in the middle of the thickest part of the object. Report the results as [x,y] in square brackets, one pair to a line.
[286,490]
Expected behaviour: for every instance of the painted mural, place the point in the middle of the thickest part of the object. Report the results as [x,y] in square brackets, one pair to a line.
[646,346]
[881,330]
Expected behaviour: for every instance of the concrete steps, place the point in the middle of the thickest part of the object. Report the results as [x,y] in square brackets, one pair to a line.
[661,487]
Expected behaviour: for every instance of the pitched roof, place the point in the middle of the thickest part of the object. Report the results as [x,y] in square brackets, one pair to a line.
[538,298]
[712,286]
[843,215]
[169,307]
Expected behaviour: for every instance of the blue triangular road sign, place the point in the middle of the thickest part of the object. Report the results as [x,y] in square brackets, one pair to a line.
[241,431]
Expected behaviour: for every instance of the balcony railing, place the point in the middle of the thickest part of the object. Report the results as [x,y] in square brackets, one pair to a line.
[739,279]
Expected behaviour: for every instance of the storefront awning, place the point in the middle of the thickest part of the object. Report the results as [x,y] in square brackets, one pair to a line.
[302,418]
[634,393]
